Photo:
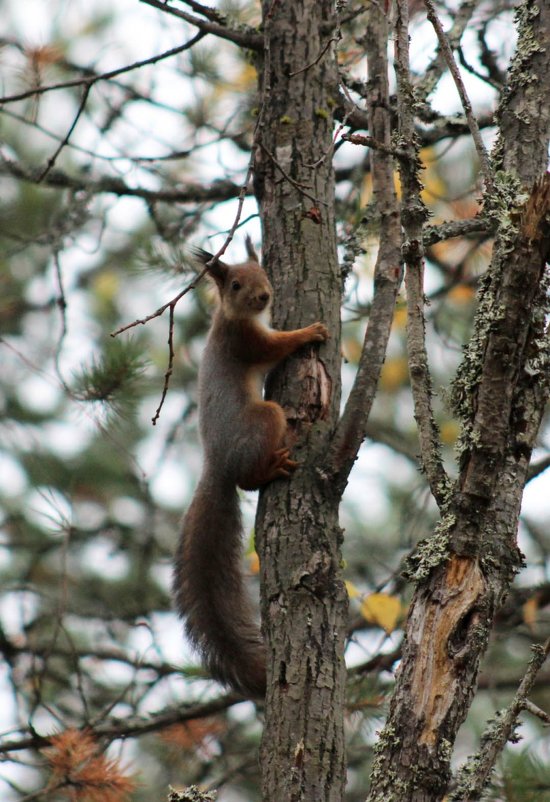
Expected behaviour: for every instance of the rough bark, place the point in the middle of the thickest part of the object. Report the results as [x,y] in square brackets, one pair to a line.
[464,570]
[524,113]
[304,602]
[352,427]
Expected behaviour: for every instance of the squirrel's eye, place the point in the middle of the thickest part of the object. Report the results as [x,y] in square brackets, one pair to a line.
[235,285]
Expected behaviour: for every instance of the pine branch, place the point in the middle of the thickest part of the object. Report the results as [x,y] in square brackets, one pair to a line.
[192,193]
[136,726]
[466,105]
[89,80]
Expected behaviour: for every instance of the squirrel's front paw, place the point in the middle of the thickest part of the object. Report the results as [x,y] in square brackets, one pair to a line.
[319,332]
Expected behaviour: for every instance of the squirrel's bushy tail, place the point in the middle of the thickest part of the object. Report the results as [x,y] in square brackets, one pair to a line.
[210,592]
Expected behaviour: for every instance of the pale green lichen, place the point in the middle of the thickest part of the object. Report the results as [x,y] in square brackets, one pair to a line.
[468,375]
[520,73]
[286,120]
[387,740]
[502,206]
[430,552]
[192,794]
[528,45]
[537,364]
[322,113]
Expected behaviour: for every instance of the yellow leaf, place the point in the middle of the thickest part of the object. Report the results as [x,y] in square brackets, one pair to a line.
[382,609]
[253,563]
[106,285]
[400,318]
[353,593]
[449,432]
[395,374]
[366,190]
[461,294]
[530,612]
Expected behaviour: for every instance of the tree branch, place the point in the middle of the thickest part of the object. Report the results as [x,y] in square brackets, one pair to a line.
[90,80]
[352,427]
[466,105]
[244,38]
[476,772]
[51,161]
[192,193]
[435,70]
[132,726]
[456,228]
[413,216]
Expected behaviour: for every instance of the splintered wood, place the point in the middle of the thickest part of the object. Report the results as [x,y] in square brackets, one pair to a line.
[443,621]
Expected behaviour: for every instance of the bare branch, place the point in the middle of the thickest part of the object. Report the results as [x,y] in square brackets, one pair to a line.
[466,105]
[162,309]
[413,215]
[244,38]
[168,373]
[51,161]
[371,142]
[475,774]
[537,468]
[210,13]
[435,70]
[191,193]
[456,228]
[90,80]
[532,708]
[352,427]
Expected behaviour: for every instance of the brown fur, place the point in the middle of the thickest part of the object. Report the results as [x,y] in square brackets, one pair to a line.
[243,438]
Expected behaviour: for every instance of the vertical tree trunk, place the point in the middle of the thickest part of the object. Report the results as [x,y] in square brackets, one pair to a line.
[464,570]
[304,602]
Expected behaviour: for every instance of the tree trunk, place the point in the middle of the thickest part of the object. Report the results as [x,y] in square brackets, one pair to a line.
[464,570]
[304,602]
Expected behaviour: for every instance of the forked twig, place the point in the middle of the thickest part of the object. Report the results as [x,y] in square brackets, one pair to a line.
[171,305]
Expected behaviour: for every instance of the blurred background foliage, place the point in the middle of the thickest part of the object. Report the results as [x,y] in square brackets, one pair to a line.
[91,493]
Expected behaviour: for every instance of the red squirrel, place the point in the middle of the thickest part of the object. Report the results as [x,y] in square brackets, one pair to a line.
[243,439]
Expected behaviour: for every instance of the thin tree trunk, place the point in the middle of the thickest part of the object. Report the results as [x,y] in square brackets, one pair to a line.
[304,602]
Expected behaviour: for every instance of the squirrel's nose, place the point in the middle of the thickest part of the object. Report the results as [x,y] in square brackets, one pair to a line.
[264,297]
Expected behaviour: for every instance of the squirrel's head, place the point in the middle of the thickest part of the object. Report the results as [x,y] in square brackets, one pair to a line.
[244,289]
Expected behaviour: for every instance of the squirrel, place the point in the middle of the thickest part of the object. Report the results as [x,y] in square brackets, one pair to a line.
[244,444]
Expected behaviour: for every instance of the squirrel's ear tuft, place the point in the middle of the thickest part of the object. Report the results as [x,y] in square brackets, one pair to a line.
[201,255]
[218,270]
[251,250]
